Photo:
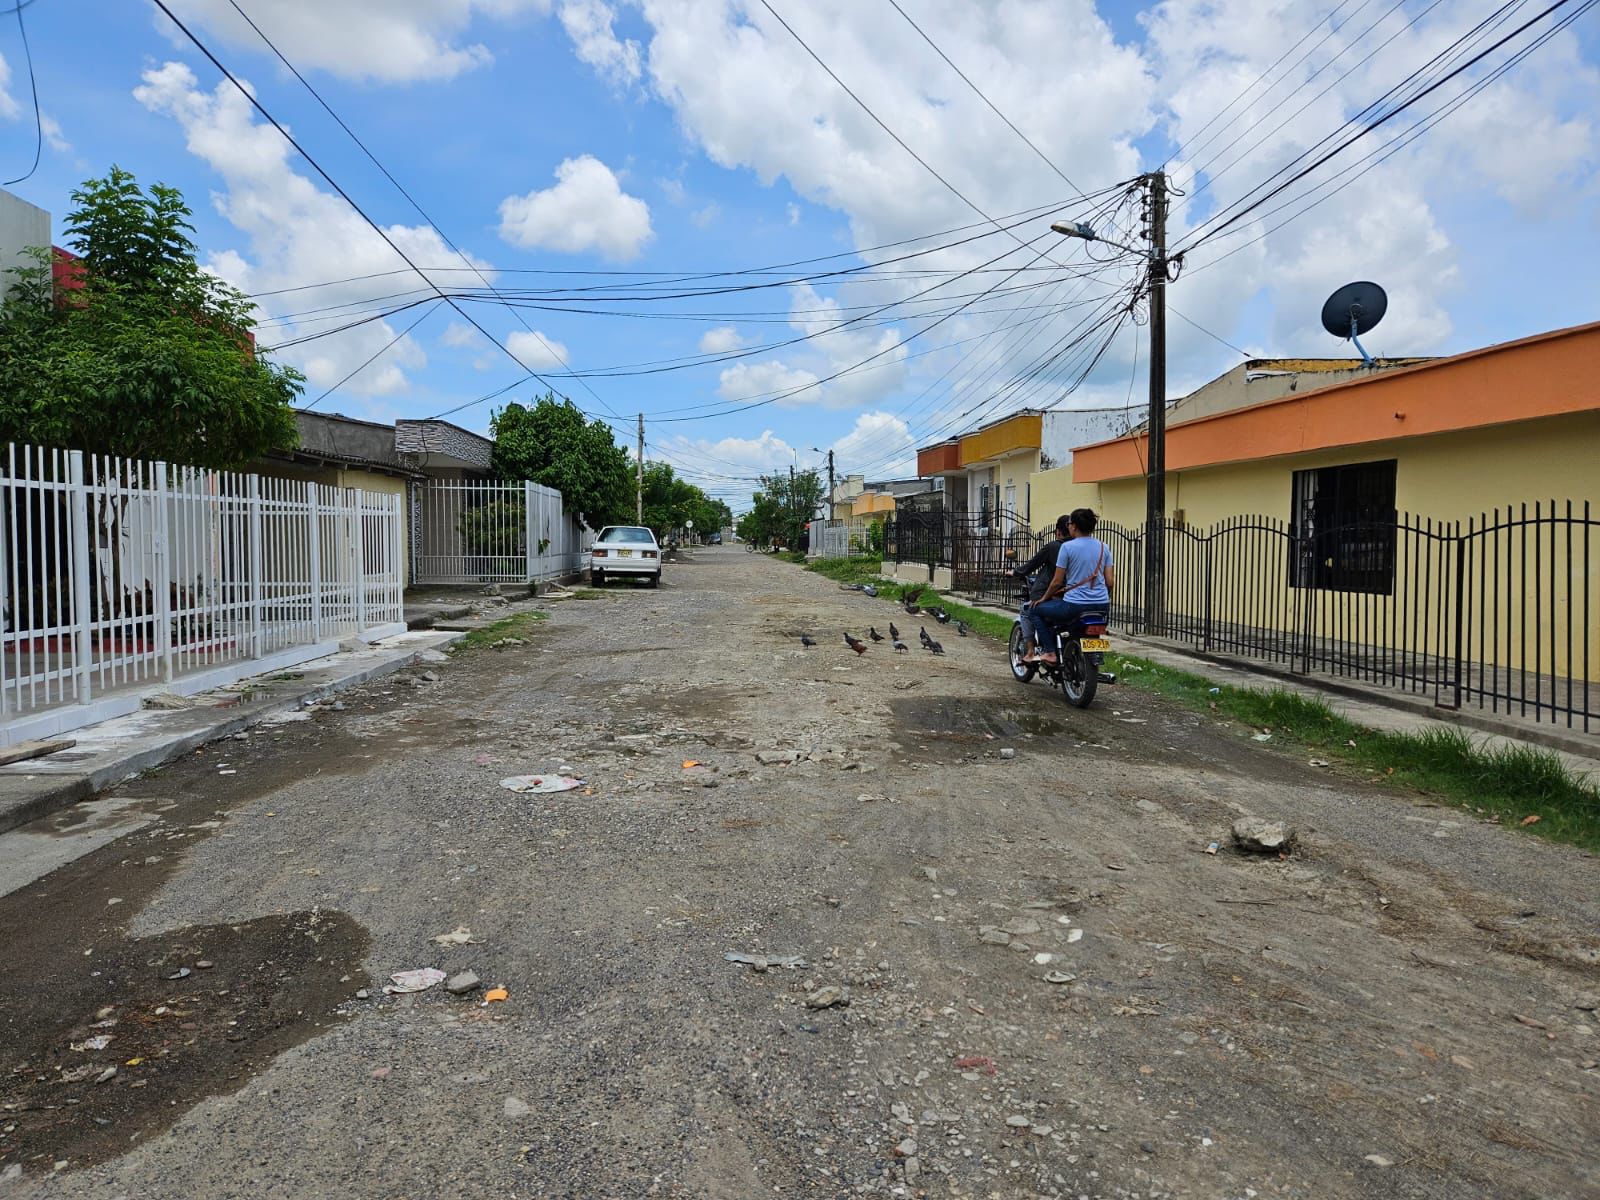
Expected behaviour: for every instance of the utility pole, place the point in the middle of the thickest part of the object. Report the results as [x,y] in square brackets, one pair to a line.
[638,477]
[1155,494]
[830,485]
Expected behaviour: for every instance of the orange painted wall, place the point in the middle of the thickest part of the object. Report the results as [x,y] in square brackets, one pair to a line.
[944,457]
[1548,375]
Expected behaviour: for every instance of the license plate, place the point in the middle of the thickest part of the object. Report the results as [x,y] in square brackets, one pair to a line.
[625,553]
[1095,645]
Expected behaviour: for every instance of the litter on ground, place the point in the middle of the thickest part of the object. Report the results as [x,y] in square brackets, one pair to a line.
[540,783]
[419,980]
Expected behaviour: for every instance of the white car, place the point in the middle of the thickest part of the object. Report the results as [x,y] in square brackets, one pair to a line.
[625,550]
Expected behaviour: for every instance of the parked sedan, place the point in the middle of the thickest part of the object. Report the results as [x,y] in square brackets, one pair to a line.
[625,550]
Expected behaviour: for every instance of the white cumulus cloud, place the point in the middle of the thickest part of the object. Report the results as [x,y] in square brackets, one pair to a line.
[537,351]
[588,24]
[390,41]
[298,234]
[722,340]
[585,210]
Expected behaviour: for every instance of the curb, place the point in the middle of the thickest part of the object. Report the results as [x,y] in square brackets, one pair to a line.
[45,798]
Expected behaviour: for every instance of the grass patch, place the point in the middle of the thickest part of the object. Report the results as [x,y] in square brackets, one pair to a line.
[1508,784]
[518,625]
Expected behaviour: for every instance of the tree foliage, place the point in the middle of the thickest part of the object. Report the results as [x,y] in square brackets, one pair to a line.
[151,357]
[782,508]
[671,503]
[553,443]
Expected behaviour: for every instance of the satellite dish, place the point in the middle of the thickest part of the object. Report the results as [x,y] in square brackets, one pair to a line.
[1354,309]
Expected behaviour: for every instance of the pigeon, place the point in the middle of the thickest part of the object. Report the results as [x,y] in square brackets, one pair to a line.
[873,633]
[940,615]
[933,647]
[858,646]
[912,610]
[869,589]
[807,640]
[910,594]
[961,628]
[922,635]
[893,632]
[900,646]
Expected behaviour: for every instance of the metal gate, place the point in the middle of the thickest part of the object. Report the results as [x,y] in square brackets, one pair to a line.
[489,531]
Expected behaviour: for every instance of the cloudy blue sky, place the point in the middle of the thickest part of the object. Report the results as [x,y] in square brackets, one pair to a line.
[586,155]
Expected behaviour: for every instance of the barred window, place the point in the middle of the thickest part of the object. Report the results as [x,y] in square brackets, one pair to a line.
[1343,528]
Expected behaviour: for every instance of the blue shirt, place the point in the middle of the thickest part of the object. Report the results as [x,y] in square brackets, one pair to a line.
[1085,560]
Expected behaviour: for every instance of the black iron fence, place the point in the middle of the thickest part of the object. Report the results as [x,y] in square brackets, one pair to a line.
[1499,612]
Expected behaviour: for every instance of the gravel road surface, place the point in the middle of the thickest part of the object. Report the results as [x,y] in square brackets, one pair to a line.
[1022,973]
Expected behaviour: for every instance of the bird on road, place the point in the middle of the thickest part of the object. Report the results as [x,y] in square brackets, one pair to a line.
[893,632]
[912,610]
[855,644]
[869,589]
[933,647]
[900,646]
[940,615]
[807,640]
[962,627]
[910,595]
[873,633]
[922,635]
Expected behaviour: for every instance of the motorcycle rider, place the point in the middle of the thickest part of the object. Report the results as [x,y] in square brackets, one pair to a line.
[1084,578]
[1037,572]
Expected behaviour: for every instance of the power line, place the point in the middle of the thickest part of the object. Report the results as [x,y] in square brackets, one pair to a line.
[344,195]
[425,314]
[410,199]
[33,86]
[1240,213]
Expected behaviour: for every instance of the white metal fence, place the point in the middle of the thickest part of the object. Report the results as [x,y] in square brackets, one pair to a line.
[850,538]
[119,577]
[476,531]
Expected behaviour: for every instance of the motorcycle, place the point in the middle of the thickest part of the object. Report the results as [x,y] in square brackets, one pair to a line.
[1080,653]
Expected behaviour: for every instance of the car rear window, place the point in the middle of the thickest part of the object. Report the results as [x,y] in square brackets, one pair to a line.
[630,534]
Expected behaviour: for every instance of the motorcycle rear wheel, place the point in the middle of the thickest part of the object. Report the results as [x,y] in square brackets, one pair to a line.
[1079,677]
[1021,671]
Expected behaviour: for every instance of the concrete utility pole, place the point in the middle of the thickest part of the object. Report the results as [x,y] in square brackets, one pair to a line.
[638,477]
[1155,493]
[830,485]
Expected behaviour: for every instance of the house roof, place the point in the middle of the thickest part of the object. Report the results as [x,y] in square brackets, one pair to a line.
[1540,376]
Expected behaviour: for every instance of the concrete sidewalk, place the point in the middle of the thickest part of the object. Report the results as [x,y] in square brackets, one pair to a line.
[1386,711]
[112,751]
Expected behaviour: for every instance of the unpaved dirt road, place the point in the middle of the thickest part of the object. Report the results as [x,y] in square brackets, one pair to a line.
[1398,1010]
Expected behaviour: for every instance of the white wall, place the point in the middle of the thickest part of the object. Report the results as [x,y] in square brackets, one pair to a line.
[21,225]
[1062,429]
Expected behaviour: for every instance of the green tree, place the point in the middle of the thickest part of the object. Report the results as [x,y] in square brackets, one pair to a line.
[152,356]
[553,443]
[670,503]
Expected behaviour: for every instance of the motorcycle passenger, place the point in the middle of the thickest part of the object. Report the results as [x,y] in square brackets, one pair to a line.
[1037,571]
[1084,578]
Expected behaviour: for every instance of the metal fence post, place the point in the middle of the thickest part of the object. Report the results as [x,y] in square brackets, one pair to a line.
[257,568]
[1460,611]
[164,581]
[1210,539]
[530,546]
[314,546]
[358,559]
[79,548]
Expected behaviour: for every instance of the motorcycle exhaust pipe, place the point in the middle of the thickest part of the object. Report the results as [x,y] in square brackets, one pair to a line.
[1108,677]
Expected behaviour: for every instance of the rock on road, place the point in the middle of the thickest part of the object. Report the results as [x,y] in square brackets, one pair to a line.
[1023,975]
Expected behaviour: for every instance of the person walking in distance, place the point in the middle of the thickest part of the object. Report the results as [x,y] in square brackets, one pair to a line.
[1084,579]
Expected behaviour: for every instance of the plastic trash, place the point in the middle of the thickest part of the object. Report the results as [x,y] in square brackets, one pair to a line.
[540,783]
[494,995]
[98,1042]
[459,936]
[419,980]
[1212,847]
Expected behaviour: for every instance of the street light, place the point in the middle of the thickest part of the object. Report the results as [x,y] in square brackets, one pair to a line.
[829,453]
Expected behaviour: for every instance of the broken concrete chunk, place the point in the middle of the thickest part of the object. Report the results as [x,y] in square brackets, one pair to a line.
[1263,837]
